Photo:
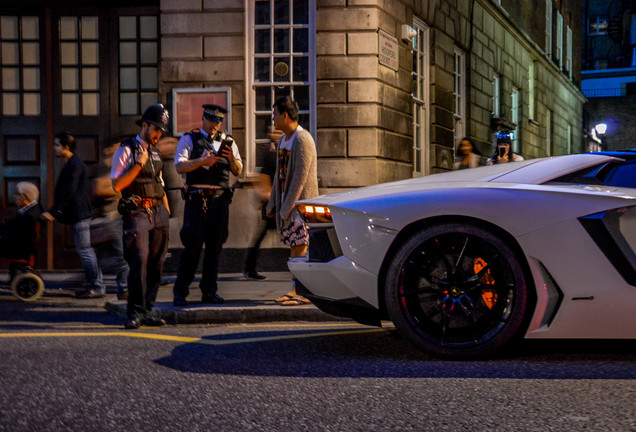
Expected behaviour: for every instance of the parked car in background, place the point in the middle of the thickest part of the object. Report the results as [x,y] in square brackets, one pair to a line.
[464,263]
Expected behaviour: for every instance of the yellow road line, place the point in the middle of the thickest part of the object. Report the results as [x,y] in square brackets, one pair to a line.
[185,339]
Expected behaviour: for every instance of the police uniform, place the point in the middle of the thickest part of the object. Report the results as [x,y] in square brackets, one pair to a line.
[145,221]
[206,211]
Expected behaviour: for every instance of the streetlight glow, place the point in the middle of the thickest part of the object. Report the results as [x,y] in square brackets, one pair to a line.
[601,128]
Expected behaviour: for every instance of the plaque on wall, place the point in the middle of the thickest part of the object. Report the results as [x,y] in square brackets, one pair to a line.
[388,50]
[187,110]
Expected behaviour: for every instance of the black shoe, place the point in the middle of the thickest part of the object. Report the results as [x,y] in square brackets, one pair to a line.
[253,275]
[153,322]
[88,294]
[179,301]
[132,323]
[212,299]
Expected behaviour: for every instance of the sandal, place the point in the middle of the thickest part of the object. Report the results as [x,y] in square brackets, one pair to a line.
[296,301]
[285,298]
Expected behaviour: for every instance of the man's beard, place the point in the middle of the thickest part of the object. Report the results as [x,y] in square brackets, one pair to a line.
[146,138]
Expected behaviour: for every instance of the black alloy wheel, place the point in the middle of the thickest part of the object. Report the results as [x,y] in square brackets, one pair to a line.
[456,291]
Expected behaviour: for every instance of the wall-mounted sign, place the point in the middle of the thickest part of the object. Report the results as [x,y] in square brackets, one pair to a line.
[187,110]
[388,50]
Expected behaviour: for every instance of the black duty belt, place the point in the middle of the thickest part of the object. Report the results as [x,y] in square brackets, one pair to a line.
[206,192]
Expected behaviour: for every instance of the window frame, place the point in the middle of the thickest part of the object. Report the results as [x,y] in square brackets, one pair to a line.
[548,27]
[459,93]
[496,96]
[421,98]
[20,92]
[598,19]
[251,111]
[515,117]
[559,40]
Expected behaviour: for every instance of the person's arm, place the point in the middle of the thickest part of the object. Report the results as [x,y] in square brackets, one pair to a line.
[234,159]
[165,203]
[121,175]
[182,162]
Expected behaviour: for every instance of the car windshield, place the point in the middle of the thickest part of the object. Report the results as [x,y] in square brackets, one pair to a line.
[617,173]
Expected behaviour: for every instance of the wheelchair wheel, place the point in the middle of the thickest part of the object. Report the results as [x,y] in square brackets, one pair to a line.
[27,287]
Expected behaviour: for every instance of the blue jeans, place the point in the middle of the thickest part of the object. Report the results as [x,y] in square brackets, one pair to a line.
[82,235]
[110,255]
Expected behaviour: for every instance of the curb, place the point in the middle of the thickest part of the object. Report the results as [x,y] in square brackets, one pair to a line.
[230,314]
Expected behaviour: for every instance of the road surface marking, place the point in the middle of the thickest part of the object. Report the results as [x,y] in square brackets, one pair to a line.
[186,339]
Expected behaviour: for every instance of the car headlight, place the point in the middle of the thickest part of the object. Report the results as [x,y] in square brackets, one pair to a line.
[315,213]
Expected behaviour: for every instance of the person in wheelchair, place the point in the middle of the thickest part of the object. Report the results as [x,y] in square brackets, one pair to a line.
[18,235]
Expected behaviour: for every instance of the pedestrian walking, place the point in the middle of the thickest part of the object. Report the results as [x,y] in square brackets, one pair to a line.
[136,173]
[72,206]
[107,227]
[206,156]
[264,190]
[296,179]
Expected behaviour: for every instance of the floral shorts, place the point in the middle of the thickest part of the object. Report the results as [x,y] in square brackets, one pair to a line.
[294,231]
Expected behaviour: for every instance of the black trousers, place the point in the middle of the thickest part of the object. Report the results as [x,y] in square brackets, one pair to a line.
[202,226]
[145,248]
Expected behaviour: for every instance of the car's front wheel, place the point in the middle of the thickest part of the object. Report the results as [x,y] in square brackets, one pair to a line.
[456,291]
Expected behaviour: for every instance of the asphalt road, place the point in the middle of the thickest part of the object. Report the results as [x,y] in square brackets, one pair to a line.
[301,377]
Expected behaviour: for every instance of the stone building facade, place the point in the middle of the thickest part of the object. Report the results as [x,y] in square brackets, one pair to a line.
[386,87]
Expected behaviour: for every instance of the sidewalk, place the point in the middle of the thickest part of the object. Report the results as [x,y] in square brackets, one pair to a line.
[246,301]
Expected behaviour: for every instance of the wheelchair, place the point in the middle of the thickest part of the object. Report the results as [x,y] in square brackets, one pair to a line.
[24,282]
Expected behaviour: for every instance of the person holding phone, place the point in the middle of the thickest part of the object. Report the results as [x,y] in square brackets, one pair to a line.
[503,151]
[206,156]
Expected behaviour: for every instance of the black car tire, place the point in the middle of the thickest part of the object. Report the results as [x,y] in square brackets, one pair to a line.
[446,302]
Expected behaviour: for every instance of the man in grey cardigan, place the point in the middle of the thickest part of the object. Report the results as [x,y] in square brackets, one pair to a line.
[295,179]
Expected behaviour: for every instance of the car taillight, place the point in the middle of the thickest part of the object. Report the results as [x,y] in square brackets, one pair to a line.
[315,213]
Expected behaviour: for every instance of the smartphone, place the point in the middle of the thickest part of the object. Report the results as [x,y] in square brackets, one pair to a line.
[502,150]
[224,144]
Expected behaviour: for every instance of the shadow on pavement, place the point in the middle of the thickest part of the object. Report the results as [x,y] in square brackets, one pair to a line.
[385,355]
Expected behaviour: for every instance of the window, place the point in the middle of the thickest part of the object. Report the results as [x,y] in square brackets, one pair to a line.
[569,139]
[282,41]
[548,27]
[138,63]
[618,174]
[460,95]
[421,101]
[496,97]
[597,26]
[532,91]
[569,53]
[548,133]
[558,55]
[20,65]
[514,117]
[79,65]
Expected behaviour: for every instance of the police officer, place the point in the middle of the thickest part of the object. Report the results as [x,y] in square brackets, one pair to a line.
[207,157]
[136,173]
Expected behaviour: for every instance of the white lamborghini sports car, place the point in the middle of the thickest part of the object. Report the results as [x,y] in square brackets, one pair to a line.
[467,261]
